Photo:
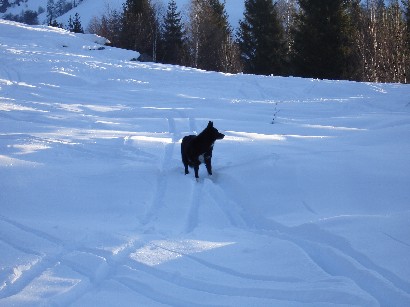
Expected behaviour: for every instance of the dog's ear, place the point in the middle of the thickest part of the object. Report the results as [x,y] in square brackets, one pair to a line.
[210,124]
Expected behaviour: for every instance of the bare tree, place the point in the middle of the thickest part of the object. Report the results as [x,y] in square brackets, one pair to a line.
[108,26]
[288,9]
[381,41]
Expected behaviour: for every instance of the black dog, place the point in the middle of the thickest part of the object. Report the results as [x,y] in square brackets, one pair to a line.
[196,149]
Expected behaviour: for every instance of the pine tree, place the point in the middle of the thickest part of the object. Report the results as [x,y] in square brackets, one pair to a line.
[320,39]
[227,51]
[4,5]
[30,17]
[140,29]
[51,14]
[355,58]
[211,43]
[60,7]
[56,24]
[74,25]
[173,36]
[261,39]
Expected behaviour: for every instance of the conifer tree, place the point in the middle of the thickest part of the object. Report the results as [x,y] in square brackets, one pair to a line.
[4,5]
[227,51]
[51,14]
[74,25]
[173,36]
[30,17]
[56,24]
[320,39]
[261,38]
[211,43]
[60,7]
[140,30]
[355,57]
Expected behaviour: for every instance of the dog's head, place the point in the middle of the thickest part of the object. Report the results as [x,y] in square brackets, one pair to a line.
[213,132]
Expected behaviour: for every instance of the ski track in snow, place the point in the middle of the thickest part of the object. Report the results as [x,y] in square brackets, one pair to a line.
[107,266]
[335,256]
[183,242]
[342,260]
[162,177]
[193,211]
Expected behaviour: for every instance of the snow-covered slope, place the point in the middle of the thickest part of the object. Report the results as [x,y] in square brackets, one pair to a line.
[311,210]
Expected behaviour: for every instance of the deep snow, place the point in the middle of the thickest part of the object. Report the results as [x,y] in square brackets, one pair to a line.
[96,210]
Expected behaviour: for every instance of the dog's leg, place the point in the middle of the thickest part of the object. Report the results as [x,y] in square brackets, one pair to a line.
[208,165]
[185,162]
[196,169]
[184,158]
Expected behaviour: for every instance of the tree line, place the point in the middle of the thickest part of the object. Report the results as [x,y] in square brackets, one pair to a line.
[201,38]
[362,40]
[339,39]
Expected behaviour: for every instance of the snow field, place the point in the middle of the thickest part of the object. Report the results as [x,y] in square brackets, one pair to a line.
[96,210]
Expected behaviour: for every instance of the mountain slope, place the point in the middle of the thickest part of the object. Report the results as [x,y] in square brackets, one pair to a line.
[87,9]
[96,209]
